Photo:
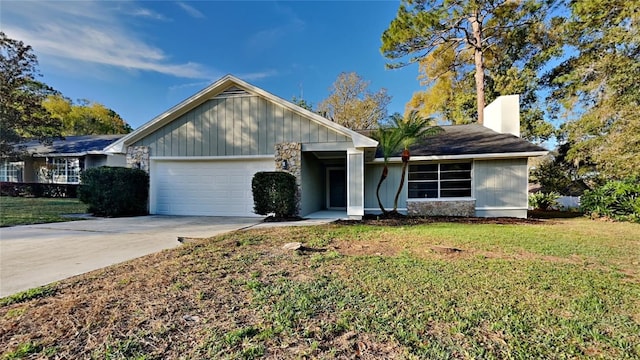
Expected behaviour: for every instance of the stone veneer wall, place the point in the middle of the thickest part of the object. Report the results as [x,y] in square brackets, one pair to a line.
[138,157]
[464,208]
[292,153]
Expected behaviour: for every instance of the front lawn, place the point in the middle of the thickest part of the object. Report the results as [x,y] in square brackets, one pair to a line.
[24,211]
[548,290]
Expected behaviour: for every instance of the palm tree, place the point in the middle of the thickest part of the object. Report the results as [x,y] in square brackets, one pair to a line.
[389,141]
[410,130]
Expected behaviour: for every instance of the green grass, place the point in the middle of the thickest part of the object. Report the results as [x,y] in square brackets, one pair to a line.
[495,308]
[567,289]
[23,351]
[24,296]
[538,304]
[24,211]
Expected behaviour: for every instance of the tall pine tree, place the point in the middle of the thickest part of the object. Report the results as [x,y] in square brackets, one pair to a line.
[471,52]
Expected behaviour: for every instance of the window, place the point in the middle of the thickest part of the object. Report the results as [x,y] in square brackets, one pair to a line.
[440,180]
[11,171]
[61,171]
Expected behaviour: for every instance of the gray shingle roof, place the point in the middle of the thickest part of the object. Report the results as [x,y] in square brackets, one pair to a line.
[70,145]
[470,139]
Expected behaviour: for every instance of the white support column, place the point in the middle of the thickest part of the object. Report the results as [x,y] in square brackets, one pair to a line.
[355,183]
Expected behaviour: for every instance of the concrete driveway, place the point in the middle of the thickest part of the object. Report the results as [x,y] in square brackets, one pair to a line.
[35,255]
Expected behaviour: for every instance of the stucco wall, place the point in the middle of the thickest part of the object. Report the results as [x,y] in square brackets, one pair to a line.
[91,161]
[31,166]
[116,160]
[313,185]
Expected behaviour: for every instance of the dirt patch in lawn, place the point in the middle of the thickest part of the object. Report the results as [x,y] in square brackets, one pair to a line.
[236,296]
[198,301]
[387,244]
[410,220]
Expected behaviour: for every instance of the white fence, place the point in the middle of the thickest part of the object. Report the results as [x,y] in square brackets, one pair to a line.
[569,202]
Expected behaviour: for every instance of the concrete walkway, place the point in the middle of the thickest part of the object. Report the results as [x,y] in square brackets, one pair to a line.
[35,255]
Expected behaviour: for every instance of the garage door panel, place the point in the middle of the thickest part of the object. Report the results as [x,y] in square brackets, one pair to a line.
[211,188]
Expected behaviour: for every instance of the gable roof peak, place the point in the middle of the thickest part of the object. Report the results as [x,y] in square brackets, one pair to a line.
[238,87]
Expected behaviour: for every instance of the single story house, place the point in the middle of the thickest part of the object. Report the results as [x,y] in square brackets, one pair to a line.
[60,162]
[202,154]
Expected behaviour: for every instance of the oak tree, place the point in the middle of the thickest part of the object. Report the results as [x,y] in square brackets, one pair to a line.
[597,86]
[85,117]
[22,115]
[352,105]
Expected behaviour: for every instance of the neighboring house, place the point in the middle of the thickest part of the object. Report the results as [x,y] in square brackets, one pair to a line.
[202,154]
[60,162]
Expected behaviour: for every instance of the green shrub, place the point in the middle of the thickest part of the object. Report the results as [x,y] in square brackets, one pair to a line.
[115,191]
[544,201]
[555,174]
[38,190]
[274,192]
[619,199]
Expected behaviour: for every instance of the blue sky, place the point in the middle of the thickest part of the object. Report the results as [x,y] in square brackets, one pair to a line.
[140,58]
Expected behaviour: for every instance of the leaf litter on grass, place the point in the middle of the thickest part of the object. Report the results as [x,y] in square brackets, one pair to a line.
[393,298]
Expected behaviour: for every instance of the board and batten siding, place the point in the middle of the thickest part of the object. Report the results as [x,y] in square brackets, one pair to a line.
[500,187]
[387,190]
[236,126]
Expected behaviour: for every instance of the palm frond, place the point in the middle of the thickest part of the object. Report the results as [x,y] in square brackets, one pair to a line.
[389,141]
[415,127]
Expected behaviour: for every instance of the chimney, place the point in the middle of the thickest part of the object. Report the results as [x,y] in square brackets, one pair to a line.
[503,115]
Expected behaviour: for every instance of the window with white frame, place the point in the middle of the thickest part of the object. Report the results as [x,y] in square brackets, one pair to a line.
[64,170]
[439,180]
[11,171]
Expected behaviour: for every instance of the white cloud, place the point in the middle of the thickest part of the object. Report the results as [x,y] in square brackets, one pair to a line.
[246,76]
[147,13]
[193,12]
[93,32]
[258,75]
[199,84]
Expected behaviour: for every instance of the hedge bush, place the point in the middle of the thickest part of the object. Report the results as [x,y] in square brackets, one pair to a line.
[615,199]
[274,192]
[38,190]
[115,191]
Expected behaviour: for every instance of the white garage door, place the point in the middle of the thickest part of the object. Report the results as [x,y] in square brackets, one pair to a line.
[209,188]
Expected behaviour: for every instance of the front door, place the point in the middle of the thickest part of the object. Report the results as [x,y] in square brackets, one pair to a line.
[336,188]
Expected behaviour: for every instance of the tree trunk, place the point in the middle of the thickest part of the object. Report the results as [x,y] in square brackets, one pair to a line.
[478,57]
[383,176]
[405,162]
